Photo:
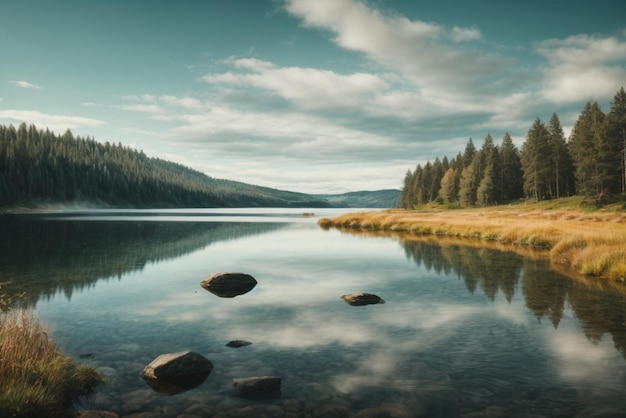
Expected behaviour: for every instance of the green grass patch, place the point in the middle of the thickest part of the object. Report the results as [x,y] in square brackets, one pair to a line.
[36,378]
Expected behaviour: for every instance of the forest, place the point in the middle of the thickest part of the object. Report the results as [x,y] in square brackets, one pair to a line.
[591,163]
[39,168]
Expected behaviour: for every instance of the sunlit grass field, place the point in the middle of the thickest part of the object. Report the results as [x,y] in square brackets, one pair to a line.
[590,242]
[36,378]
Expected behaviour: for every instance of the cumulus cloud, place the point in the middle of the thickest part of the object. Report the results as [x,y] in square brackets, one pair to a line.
[52,122]
[582,67]
[421,51]
[305,87]
[25,84]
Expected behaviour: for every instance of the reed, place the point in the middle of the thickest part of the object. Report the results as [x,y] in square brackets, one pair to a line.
[36,378]
[591,243]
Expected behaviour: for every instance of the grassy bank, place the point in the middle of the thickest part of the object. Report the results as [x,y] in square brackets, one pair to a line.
[592,243]
[36,378]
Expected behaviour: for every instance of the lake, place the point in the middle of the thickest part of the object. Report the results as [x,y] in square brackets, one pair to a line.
[465,331]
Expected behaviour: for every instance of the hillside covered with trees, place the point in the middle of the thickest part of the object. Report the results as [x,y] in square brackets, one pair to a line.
[591,163]
[38,167]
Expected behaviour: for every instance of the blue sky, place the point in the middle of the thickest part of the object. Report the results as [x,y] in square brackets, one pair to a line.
[317,96]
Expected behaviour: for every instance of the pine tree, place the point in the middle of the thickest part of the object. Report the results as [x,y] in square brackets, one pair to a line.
[467,186]
[468,154]
[588,149]
[535,165]
[406,196]
[616,132]
[510,170]
[561,163]
[485,194]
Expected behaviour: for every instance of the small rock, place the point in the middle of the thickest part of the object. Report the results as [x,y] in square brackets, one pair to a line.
[360,299]
[176,364]
[176,372]
[238,343]
[257,385]
[228,285]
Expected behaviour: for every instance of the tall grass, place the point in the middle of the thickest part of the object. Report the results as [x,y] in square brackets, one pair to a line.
[591,243]
[36,378]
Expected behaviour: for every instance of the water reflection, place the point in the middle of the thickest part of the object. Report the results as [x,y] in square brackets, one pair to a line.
[40,257]
[547,293]
[464,329]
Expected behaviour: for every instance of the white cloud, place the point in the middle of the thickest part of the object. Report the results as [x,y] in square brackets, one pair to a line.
[53,122]
[25,84]
[184,102]
[582,67]
[415,48]
[304,87]
[465,34]
[145,108]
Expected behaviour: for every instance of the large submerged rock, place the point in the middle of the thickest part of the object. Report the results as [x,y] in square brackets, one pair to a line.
[360,299]
[257,385]
[228,285]
[176,372]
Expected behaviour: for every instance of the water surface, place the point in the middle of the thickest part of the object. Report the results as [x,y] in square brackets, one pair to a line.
[463,331]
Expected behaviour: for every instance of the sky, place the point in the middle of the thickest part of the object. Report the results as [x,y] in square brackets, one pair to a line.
[313,96]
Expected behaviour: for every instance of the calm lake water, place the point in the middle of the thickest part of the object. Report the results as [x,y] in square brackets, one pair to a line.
[464,331]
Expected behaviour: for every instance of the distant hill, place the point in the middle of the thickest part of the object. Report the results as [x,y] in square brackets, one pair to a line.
[387,198]
[40,168]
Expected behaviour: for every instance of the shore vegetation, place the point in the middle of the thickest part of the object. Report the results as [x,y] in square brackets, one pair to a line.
[590,242]
[36,378]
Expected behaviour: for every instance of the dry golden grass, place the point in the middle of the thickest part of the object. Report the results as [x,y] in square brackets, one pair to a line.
[36,379]
[592,244]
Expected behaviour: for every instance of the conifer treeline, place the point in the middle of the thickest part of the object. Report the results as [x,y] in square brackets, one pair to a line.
[589,163]
[39,167]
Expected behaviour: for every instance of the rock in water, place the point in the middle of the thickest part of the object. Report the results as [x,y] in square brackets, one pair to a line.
[175,372]
[360,299]
[238,343]
[257,385]
[228,285]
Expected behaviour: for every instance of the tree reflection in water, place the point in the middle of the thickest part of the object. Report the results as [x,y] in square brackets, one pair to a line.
[40,257]
[547,293]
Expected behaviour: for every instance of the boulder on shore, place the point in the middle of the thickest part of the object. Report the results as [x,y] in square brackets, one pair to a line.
[176,372]
[257,385]
[228,285]
[360,299]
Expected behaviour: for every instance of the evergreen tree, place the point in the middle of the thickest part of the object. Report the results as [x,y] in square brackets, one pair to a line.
[589,150]
[468,154]
[448,191]
[406,196]
[535,165]
[467,186]
[616,132]
[510,181]
[435,181]
[485,194]
[561,177]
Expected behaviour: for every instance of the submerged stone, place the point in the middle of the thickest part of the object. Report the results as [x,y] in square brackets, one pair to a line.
[360,299]
[257,385]
[238,343]
[176,372]
[228,285]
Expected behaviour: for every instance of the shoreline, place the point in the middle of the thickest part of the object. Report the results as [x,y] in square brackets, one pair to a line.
[591,244]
